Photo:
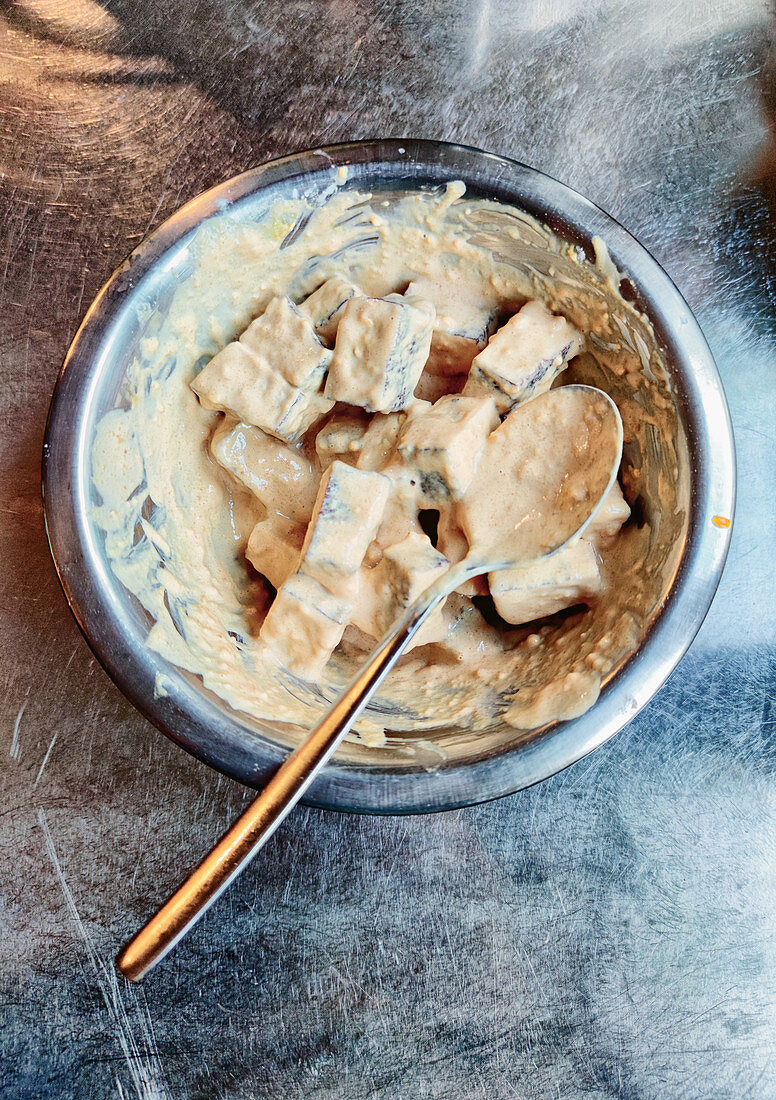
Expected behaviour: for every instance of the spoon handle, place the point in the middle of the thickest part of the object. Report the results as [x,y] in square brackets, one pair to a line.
[253,829]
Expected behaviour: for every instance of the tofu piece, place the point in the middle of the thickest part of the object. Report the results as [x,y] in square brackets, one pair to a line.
[452,354]
[237,382]
[461,326]
[342,437]
[347,513]
[275,548]
[406,569]
[381,348]
[284,341]
[379,443]
[444,445]
[452,542]
[524,357]
[433,386]
[304,625]
[271,375]
[434,629]
[564,579]
[378,448]
[279,475]
[400,517]
[466,637]
[325,306]
[614,511]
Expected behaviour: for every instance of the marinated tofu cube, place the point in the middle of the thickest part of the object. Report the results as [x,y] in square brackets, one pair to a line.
[433,386]
[562,580]
[461,326]
[379,443]
[285,342]
[237,382]
[325,306]
[304,625]
[444,445]
[382,345]
[275,472]
[400,516]
[363,617]
[434,629]
[524,357]
[465,635]
[275,548]
[345,519]
[452,542]
[452,354]
[406,570]
[342,437]
[378,448]
[611,515]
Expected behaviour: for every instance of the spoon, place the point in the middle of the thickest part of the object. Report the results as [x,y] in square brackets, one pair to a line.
[540,480]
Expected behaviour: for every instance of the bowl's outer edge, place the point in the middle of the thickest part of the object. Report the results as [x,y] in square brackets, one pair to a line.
[220,740]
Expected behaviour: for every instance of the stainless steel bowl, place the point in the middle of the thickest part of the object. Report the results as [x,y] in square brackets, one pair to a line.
[363,780]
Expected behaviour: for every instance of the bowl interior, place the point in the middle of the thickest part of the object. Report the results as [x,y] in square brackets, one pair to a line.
[643,348]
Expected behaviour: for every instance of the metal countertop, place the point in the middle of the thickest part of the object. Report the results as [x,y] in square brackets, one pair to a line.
[611,932]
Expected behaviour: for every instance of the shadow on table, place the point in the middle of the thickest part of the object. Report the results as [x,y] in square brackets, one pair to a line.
[263,62]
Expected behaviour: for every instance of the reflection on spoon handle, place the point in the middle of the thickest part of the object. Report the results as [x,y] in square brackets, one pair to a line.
[240,844]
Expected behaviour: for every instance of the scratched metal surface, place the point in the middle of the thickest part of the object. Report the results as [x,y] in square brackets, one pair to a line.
[609,933]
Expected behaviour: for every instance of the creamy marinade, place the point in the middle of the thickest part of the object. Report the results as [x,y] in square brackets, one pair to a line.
[187,496]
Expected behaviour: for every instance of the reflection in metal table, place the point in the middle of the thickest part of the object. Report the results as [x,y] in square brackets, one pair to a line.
[611,932]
